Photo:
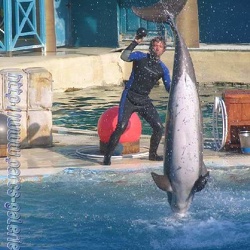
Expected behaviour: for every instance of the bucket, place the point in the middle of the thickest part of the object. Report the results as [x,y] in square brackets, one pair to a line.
[245,141]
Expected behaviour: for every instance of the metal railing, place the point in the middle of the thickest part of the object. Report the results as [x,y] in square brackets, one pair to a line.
[22,25]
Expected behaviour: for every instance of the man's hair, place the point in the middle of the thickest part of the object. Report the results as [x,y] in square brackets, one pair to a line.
[157,39]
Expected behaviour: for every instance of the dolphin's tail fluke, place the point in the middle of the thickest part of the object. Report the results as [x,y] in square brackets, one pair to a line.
[161,11]
[162,182]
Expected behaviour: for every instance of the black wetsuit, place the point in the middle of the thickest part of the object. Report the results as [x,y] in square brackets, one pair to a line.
[145,74]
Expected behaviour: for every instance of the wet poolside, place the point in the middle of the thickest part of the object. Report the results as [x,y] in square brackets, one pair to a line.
[37,163]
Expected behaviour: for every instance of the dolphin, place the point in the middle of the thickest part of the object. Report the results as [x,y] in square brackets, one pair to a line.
[184,170]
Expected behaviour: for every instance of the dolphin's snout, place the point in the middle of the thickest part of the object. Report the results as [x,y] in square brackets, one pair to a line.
[180,208]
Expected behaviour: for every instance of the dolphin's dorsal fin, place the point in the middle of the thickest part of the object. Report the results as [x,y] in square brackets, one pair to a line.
[162,182]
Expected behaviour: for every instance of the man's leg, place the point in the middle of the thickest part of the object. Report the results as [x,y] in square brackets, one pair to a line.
[113,141]
[150,114]
[123,117]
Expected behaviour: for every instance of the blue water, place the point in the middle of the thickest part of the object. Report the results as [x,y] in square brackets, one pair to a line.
[85,209]
[82,109]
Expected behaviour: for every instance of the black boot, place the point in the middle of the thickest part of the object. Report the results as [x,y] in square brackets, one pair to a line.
[155,157]
[107,160]
[154,143]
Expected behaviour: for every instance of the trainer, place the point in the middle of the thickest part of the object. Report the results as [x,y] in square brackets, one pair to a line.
[146,72]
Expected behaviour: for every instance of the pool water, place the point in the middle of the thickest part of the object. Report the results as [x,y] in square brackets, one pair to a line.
[83,209]
[82,109]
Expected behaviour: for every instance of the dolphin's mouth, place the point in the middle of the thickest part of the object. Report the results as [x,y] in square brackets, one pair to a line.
[180,209]
[181,215]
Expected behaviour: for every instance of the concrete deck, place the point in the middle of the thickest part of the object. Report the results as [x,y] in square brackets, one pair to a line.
[80,149]
[85,67]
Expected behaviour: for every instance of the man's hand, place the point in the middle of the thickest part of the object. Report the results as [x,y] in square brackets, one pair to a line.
[138,40]
[140,34]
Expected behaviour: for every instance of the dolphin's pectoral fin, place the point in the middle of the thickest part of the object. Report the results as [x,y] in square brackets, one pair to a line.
[201,182]
[162,182]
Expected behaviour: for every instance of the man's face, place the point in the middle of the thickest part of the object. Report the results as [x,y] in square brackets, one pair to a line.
[158,48]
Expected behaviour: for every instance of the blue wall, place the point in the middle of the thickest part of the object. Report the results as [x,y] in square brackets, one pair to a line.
[94,23]
[62,22]
[97,23]
[137,3]
[129,22]
[224,21]
[220,21]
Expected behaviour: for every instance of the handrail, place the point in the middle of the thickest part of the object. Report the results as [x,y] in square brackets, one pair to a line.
[24,25]
[219,110]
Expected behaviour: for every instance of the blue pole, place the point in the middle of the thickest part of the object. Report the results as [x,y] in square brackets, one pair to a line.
[8,24]
[42,22]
